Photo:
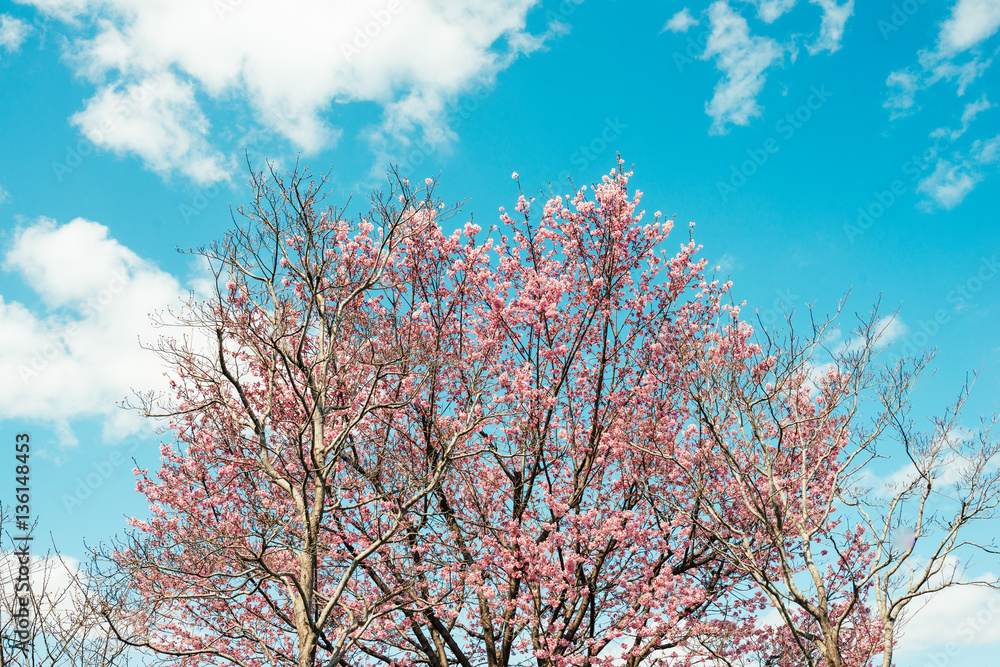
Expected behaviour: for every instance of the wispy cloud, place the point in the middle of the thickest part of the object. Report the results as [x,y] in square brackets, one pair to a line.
[727,263]
[743,60]
[960,54]
[682,21]
[831,30]
[13,32]
[986,151]
[955,56]
[903,87]
[969,114]
[952,180]
[886,330]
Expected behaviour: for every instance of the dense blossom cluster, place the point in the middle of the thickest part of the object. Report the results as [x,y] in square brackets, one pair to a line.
[409,446]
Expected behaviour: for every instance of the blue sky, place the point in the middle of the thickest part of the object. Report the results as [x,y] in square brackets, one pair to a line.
[820,147]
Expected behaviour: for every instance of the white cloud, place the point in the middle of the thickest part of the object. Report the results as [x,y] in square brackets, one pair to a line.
[952,466]
[832,27]
[64,10]
[939,68]
[949,184]
[771,10]
[886,330]
[969,25]
[743,59]
[13,32]
[986,152]
[67,265]
[962,615]
[4,195]
[971,22]
[903,86]
[972,109]
[952,180]
[81,355]
[682,21]
[52,579]
[289,61]
[158,120]
[59,608]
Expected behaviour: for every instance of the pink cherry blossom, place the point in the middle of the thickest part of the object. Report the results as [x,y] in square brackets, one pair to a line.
[429,447]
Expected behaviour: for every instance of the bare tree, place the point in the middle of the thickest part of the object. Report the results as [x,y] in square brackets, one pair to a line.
[53,596]
[838,558]
[920,524]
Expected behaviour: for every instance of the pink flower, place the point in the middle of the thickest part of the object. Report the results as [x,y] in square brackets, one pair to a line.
[514,175]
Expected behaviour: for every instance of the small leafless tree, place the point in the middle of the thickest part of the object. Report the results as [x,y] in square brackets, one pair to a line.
[837,553]
[62,628]
[920,523]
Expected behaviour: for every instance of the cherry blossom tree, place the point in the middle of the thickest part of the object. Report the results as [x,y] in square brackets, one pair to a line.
[553,443]
[296,459]
[556,545]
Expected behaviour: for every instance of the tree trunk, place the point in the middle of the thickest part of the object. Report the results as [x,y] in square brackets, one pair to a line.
[888,632]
